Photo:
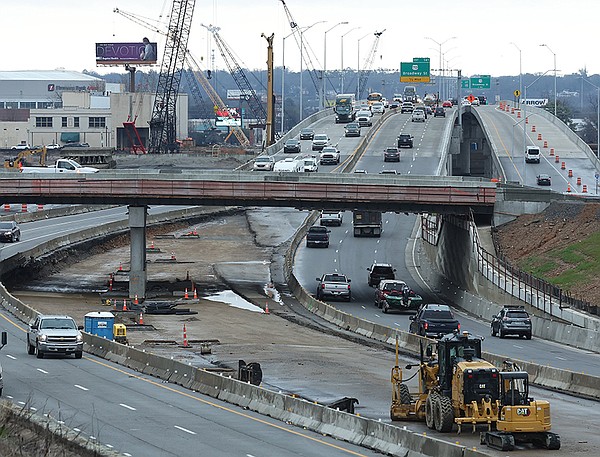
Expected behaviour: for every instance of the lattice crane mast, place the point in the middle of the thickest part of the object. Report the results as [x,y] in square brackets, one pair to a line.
[367,67]
[305,50]
[164,112]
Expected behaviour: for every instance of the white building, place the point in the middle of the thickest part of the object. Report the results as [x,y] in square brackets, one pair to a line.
[44,107]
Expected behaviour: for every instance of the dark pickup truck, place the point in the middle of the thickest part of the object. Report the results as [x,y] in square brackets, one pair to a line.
[433,321]
[317,237]
[405,140]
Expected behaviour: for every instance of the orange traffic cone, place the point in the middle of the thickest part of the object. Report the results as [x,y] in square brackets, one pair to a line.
[195,294]
[584,190]
[195,232]
[185,340]
[135,300]
[267,308]
[120,266]
[172,255]
[141,322]
[124,305]
[568,187]
[186,295]
[115,304]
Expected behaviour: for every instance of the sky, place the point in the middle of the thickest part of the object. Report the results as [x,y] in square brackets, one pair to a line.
[483,37]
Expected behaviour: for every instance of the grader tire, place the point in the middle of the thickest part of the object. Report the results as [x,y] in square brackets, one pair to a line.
[430,410]
[444,414]
[405,397]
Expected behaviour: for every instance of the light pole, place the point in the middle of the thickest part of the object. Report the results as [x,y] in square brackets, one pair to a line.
[342,59]
[554,54]
[283,81]
[520,73]
[325,61]
[358,66]
[304,29]
[597,115]
[442,95]
[440,52]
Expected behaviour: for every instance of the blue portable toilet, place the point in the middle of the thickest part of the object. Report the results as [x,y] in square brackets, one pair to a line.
[100,323]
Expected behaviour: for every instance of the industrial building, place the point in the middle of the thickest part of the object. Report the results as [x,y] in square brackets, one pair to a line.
[61,107]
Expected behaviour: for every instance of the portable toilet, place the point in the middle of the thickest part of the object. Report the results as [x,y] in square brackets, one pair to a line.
[100,323]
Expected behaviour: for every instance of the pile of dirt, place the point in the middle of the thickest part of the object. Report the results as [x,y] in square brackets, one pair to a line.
[562,224]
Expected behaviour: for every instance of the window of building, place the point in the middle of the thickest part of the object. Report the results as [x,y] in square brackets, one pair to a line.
[43,122]
[97,122]
[44,105]
[28,105]
[64,122]
[75,122]
[12,105]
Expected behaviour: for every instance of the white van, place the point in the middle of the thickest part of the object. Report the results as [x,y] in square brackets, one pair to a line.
[289,165]
[532,154]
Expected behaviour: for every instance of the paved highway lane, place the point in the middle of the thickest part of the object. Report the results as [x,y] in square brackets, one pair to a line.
[141,416]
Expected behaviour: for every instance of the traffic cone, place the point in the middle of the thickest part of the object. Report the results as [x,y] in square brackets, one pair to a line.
[185,340]
[172,255]
[584,190]
[7,207]
[533,128]
[570,173]
[124,305]
[569,187]
[551,151]
[539,136]
[152,244]
[267,308]
[556,159]
[545,143]
[135,300]
[120,266]
[110,284]
[115,304]
[40,207]
[579,181]
[195,232]
[562,166]
[186,296]
[195,294]
[24,208]
[141,321]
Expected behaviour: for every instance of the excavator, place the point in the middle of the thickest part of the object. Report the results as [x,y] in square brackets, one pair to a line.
[18,162]
[456,386]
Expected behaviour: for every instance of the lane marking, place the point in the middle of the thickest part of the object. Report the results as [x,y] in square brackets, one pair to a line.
[560,358]
[131,408]
[184,430]
[42,371]
[11,357]
[81,387]
[517,346]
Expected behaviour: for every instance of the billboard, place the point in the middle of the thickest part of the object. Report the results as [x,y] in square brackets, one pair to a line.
[142,53]
[228,118]
[234,94]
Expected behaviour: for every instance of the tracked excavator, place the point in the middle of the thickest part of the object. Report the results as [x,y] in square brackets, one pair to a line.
[19,161]
[458,387]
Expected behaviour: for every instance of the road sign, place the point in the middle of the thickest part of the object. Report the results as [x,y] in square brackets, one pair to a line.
[421,59]
[414,72]
[517,92]
[465,84]
[480,82]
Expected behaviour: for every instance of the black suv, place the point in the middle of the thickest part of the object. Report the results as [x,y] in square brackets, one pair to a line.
[391,154]
[439,112]
[404,139]
[512,320]
[433,320]
[379,271]
[10,231]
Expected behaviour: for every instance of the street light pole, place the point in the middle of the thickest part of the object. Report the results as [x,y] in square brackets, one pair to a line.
[597,115]
[301,65]
[325,61]
[440,64]
[358,66]
[520,74]
[342,59]
[554,54]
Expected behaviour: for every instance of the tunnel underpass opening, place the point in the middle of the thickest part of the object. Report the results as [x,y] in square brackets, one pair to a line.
[471,154]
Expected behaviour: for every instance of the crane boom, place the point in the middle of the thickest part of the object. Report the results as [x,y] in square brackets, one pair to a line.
[164,113]
[367,67]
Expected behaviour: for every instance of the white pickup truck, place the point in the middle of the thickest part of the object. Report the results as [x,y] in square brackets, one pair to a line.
[61,166]
[334,285]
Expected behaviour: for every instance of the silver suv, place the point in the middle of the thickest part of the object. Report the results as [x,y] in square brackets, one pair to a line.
[51,334]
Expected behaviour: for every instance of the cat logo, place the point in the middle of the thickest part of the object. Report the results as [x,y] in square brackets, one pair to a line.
[523,411]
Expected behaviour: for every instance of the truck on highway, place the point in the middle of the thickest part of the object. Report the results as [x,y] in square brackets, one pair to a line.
[289,164]
[334,285]
[344,108]
[532,154]
[367,223]
[60,166]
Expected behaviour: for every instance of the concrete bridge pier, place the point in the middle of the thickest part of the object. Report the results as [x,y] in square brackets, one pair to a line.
[137,254]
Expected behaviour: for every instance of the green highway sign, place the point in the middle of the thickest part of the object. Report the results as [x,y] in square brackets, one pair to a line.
[465,83]
[480,82]
[415,72]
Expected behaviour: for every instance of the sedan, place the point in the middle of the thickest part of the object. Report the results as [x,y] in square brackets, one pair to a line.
[391,154]
[544,180]
[447,104]
[352,129]
[10,231]
[439,112]
[292,145]
[307,134]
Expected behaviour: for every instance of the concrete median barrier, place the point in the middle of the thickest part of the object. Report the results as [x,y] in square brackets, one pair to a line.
[345,426]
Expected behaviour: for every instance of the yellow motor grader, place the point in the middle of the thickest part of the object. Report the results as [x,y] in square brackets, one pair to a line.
[456,386]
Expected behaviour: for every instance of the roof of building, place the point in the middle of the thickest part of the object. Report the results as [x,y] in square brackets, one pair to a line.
[45,75]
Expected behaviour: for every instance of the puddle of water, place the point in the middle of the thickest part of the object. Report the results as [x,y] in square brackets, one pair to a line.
[232,299]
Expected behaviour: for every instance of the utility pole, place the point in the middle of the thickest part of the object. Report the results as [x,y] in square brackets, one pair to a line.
[270,132]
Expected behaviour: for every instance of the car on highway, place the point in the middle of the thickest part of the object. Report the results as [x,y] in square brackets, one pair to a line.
[263,163]
[475,102]
[21,146]
[352,129]
[378,271]
[334,285]
[394,104]
[317,237]
[439,112]
[319,141]
[329,155]
[311,164]
[331,217]
[10,231]
[393,294]
[405,140]
[364,112]
[53,147]
[512,320]
[292,145]
[465,102]
[54,334]
[391,154]
[418,116]
[378,108]
[433,320]
[307,134]
[407,107]
[447,104]
[544,180]
[364,121]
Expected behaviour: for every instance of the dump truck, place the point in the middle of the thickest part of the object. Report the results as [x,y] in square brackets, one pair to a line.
[367,223]
[458,387]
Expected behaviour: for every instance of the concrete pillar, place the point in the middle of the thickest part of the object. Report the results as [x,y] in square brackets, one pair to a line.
[137,253]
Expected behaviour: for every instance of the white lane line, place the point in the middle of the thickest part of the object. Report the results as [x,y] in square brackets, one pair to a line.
[81,387]
[11,357]
[42,371]
[517,346]
[375,251]
[185,430]
[363,306]
[337,250]
[76,430]
[377,315]
[560,358]
[131,408]
[110,446]
[21,403]
[340,242]
[126,454]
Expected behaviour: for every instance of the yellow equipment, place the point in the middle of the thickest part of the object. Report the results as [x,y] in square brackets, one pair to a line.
[16,163]
[456,386]
[120,333]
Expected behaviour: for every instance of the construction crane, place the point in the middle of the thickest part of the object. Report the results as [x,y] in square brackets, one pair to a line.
[305,50]
[364,74]
[238,75]
[164,114]
[198,77]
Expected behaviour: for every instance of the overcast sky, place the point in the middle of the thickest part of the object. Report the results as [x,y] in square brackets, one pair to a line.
[45,35]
